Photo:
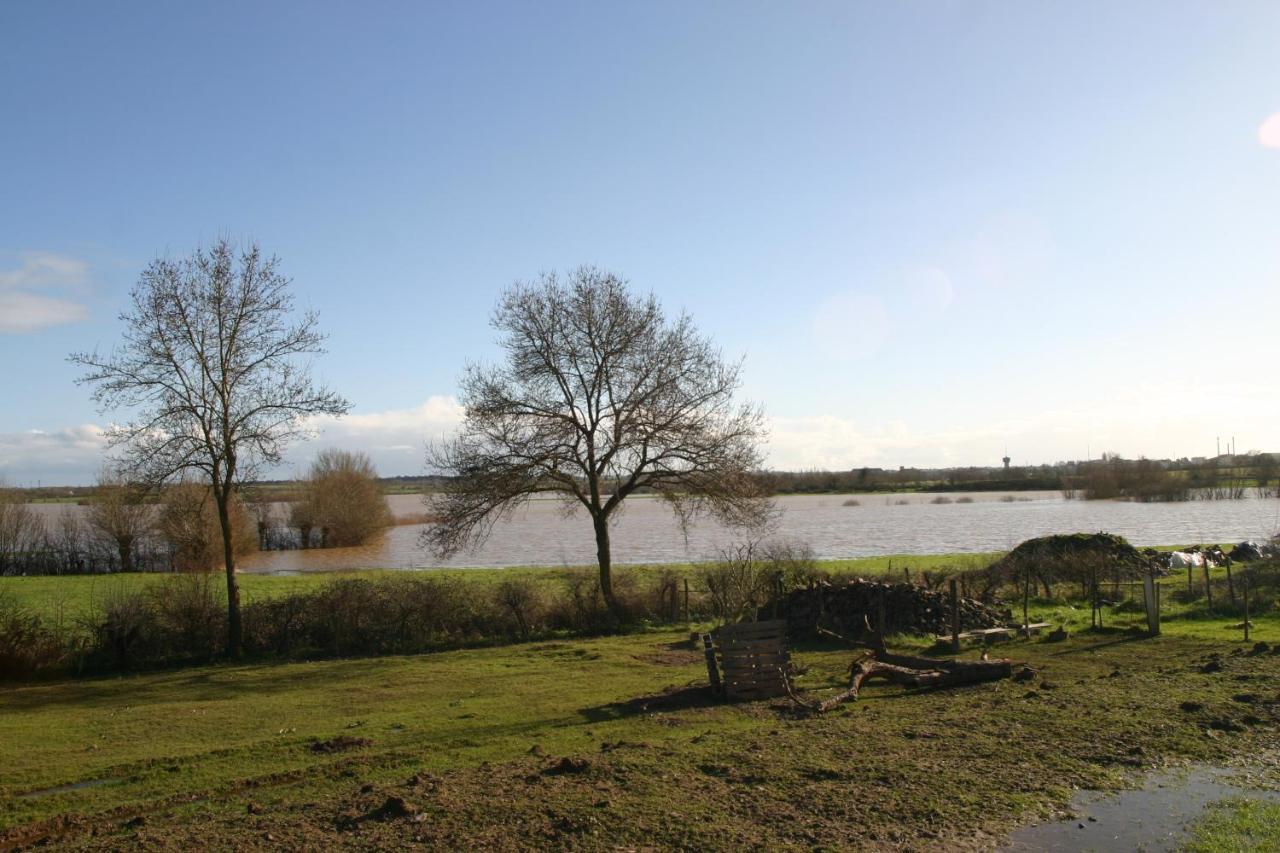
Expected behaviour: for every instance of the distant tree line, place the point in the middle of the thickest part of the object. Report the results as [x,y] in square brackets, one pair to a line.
[1150,480]
[1111,477]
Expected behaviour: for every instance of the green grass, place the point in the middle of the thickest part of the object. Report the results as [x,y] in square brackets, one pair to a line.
[1240,825]
[75,596]
[220,756]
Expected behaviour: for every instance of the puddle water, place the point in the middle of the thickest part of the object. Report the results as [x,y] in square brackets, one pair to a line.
[1154,818]
[62,789]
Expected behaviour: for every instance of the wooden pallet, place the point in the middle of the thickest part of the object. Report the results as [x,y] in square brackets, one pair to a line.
[751,656]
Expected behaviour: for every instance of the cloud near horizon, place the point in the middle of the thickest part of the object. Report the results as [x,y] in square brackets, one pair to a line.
[23,309]
[1156,423]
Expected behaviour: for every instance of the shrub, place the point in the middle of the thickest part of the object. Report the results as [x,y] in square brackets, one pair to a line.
[190,617]
[28,646]
[341,501]
[519,598]
[123,630]
[189,524]
[738,583]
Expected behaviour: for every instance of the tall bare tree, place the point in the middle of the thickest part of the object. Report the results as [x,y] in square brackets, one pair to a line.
[212,362]
[600,396]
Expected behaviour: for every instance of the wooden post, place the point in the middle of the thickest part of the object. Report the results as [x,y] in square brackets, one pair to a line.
[1231,587]
[1244,580]
[1026,598]
[1208,590]
[955,617]
[1190,589]
[1151,600]
[713,671]
[686,601]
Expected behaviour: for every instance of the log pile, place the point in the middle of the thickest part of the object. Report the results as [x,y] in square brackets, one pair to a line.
[848,608]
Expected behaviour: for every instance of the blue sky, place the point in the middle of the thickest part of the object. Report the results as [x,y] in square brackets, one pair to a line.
[934,229]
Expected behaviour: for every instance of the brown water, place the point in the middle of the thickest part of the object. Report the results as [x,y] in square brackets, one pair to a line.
[540,534]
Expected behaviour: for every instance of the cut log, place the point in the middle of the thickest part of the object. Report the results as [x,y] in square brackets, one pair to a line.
[909,671]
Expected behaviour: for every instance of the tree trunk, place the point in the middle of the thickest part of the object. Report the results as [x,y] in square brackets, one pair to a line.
[125,545]
[235,632]
[605,558]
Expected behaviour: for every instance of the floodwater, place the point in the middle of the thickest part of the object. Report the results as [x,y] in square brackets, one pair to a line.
[1153,818]
[540,534]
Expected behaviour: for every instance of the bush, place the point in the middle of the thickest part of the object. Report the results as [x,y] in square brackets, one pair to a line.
[520,599]
[341,501]
[190,614]
[28,646]
[738,583]
[123,631]
[189,524]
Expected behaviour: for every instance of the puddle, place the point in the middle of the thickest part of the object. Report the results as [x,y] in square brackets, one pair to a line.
[1154,818]
[62,789]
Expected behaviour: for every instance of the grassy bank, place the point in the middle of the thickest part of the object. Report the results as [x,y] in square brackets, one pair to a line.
[227,755]
[72,596]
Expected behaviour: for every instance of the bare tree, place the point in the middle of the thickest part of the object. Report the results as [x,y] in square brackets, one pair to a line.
[341,498]
[212,362]
[20,529]
[120,515]
[600,396]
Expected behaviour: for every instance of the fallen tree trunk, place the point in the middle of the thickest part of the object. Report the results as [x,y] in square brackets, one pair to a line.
[910,672]
[907,670]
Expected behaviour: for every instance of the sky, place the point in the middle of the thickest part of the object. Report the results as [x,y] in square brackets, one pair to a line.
[934,230]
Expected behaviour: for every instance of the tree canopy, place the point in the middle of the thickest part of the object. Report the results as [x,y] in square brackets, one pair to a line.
[600,395]
[212,367]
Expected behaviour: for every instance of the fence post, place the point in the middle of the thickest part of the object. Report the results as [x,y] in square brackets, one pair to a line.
[1244,581]
[1151,599]
[1208,590]
[1026,599]
[955,617]
[686,601]
[713,671]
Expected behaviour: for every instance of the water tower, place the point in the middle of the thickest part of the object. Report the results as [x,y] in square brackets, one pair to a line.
[1006,460]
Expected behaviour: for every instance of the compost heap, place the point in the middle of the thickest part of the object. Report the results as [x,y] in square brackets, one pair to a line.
[1064,549]
[846,609]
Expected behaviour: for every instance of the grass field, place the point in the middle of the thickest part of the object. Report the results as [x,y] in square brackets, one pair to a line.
[467,748]
[226,755]
[72,596]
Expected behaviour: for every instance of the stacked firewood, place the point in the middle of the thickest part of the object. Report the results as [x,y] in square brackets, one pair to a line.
[893,608]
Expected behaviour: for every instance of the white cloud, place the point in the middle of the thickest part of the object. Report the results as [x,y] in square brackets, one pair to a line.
[23,310]
[1269,132]
[26,312]
[395,438]
[66,456]
[833,443]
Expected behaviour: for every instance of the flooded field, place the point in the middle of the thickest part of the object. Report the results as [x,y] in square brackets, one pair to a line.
[645,532]
[540,533]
